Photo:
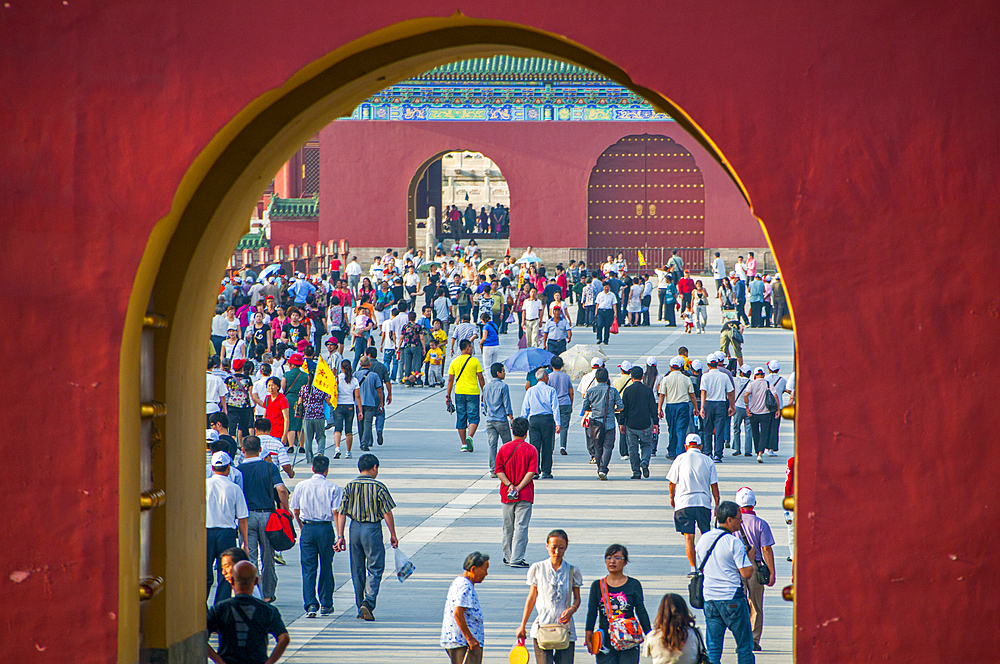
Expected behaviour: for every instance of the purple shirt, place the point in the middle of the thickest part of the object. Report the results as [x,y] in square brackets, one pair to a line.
[757,532]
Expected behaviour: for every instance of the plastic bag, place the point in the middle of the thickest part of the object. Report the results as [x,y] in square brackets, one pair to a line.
[404,568]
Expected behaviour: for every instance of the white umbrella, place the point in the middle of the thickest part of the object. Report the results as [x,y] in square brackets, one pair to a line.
[267,272]
[576,360]
[529,259]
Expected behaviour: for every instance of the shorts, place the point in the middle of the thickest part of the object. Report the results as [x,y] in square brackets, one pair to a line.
[343,418]
[338,335]
[686,518]
[466,410]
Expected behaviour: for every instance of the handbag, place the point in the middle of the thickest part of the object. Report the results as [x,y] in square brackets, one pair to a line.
[623,633]
[702,657]
[761,570]
[614,326]
[553,637]
[696,586]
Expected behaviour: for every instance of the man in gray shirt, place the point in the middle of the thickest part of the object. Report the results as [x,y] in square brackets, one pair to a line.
[563,385]
[599,407]
[499,414]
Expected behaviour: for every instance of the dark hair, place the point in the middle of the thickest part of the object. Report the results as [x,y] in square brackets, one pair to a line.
[367,462]
[248,366]
[601,375]
[557,363]
[371,352]
[558,532]
[475,559]
[321,463]
[649,377]
[463,344]
[635,372]
[412,316]
[265,369]
[673,620]
[726,510]
[616,548]
[262,424]
[220,446]
[402,306]
[348,370]
[519,427]
[309,351]
[219,418]
[236,554]
[252,443]
[275,380]
[496,368]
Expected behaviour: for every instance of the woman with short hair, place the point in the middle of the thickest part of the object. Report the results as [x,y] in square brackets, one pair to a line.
[462,627]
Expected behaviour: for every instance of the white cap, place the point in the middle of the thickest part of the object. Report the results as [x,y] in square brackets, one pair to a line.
[745,497]
[697,365]
[211,435]
[596,362]
[625,366]
[677,361]
[774,365]
[712,359]
[221,460]
[692,439]
[758,370]
[722,356]
[745,369]
[650,361]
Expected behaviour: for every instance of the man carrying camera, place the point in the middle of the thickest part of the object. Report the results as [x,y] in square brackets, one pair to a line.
[516,466]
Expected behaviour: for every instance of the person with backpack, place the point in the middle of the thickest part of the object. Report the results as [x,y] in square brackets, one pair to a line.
[778,386]
[762,410]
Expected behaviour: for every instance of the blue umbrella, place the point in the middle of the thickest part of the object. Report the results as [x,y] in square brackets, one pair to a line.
[528,359]
[528,259]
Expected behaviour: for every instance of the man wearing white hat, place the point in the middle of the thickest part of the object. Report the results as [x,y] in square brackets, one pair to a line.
[694,484]
[741,420]
[778,386]
[757,538]
[716,407]
[225,510]
[676,401]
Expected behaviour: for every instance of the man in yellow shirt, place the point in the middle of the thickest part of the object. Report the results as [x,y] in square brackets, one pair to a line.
[465,374]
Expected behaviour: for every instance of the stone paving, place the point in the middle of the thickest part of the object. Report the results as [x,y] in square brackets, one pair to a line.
[447,506]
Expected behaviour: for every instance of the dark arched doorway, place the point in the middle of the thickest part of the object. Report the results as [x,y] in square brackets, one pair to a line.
[646,194]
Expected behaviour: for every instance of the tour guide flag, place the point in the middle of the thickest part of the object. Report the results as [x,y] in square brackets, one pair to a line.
[325,380]
[642,259]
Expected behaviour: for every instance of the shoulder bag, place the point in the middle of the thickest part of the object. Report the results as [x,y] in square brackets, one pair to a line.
[696,586]
[761,570]
[623,633]
[702,657]
[448,404]
[553,637]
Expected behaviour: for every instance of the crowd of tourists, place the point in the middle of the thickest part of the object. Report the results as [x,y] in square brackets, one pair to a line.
[411,321]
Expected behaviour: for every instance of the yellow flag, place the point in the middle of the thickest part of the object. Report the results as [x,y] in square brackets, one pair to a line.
[642,259]
[325,380]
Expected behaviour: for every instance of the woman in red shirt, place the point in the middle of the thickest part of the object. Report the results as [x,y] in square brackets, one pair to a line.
[275,407]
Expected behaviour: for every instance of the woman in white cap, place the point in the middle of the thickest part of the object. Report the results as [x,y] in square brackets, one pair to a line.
[778,386]
[761,419]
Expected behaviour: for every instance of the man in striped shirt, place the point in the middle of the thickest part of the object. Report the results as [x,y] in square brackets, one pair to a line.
[367,502]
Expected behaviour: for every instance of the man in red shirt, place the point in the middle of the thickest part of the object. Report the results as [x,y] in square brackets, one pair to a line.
[516,466]
[685,287]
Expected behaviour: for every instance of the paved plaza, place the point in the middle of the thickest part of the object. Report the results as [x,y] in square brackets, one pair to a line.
[447,506]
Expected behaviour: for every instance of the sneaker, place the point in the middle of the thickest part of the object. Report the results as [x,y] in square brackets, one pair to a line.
[727,446]
[756,647]
[602,476]
[789,559]
[736,453]
[328,426]
[465,448]
[520,564]
[326,610]
[645,471]
[311,613]
[365,612]
[278,558]
[379,440]
[636,477]
[336,453]
[748,454]
[624,457]
[349,455]
[493,475]
[760,459]
[547,476]
[717,459]
[772,453]
[468,443]
[302,450]
[593,460]
[562,451]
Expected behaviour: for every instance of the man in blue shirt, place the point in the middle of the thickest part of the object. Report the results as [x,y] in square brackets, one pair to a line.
[300,290]
[371,399]
[756,288]
[563,385]
[556,332]
[540,407]
[499,414]
[740,295]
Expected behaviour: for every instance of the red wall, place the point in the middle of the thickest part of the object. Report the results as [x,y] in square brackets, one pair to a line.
[546,164]
[866,133]
[284,233]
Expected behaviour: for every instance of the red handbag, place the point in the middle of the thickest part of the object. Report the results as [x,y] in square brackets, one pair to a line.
[614,326]
[279,530]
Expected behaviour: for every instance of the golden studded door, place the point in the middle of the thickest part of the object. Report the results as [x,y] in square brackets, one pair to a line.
[645,194]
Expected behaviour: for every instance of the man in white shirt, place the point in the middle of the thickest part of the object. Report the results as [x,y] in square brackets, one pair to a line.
[694,482]
[607,310]
[315,503]
[225,510]
[353,272]
[741,269]
[532,311]
[718,270]
[717,407]
[271,446]
[215,391]
[725,564]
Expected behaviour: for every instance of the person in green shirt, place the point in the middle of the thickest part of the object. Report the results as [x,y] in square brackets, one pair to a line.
[465,374]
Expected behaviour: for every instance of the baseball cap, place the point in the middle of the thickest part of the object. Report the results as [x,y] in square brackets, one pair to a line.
[745,369]
[288,353]
[211,435]
[625,366]
[692,439]
[759,370]
[677,361]
[712,359]
[221,460]
[745,497]
[650,361]
[774,365]
[596,362]
[697,365]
